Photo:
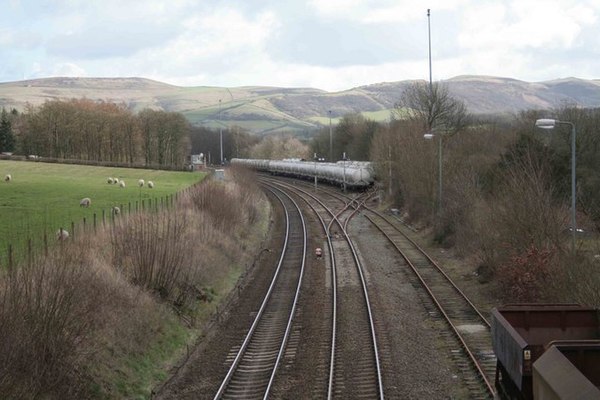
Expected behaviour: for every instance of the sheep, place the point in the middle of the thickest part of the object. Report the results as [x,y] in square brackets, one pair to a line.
[122,183]
[8,178]
[141,183]
[116,210]
[85,202]
[110,181]
[62,234]
[150,184]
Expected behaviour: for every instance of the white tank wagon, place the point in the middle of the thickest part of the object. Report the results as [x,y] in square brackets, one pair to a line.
[358,174]
[259,165]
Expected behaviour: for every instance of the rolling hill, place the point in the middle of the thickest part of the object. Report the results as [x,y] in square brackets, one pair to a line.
[262,109]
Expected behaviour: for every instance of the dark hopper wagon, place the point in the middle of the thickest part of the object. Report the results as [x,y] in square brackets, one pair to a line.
[547,351]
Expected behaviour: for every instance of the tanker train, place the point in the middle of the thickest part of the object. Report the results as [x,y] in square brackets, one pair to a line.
[356,174]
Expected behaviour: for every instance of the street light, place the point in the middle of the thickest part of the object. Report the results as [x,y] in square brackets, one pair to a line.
[546,123]
[429,136]
[429,36]
[344,159]
[220,132]
[315,171]
[330,140]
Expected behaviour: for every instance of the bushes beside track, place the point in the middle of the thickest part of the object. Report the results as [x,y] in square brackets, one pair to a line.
[104,317]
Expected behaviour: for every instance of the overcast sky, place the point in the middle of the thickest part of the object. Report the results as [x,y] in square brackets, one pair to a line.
[326,44]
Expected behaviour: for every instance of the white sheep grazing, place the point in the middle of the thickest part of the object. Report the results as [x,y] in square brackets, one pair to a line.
[141,183]
[85,202]
[116,210]
[7,178]
[110,181]
[150,184]
[62,234]
[122,183]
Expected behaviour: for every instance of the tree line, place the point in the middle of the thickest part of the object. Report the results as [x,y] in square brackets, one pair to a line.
[506,184]
[505,187]
[100,131]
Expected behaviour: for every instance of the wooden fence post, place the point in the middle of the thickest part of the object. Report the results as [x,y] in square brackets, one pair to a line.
[29,252]
[45,244]
[73,229]
[10,257]
[94,222]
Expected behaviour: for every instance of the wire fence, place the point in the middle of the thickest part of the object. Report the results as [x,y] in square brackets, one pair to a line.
[35,245]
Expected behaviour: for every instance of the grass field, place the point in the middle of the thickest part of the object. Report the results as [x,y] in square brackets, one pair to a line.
[43,197]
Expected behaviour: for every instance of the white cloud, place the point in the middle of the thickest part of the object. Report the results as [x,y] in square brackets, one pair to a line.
[67,69]
[381,11]
[520,24]
[318,43]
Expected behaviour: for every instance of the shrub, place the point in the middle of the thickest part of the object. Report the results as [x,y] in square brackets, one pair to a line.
[526,276]
[577,280]
[152,251]
[46,311]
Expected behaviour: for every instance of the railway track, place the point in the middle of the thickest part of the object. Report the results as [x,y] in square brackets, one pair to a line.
[474,355]
[254,365]
[468,326]
[354,365]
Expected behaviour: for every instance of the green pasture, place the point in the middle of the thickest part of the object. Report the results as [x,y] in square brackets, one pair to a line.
[42,197]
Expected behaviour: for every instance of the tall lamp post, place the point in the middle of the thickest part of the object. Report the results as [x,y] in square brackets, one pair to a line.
[344,159]
[550,124]
[220,132]
[330,140]
[430,135]
[429,37]
[315,171]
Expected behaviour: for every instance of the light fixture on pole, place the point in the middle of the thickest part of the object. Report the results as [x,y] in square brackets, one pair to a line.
[546,123]
[344,160]
[315,158]
[330,140]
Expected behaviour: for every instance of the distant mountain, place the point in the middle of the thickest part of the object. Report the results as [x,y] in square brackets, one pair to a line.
[264,109]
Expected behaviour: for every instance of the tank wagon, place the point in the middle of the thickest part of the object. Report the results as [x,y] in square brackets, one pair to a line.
[357,174]
[547,351]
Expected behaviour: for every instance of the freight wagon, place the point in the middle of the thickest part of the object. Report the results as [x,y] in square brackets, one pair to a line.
[547,351]
[356,174]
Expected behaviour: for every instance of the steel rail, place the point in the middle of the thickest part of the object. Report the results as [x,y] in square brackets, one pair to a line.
[441,309]
[335,218]
[257,319]
[432,261]
[474,361]
[296,297]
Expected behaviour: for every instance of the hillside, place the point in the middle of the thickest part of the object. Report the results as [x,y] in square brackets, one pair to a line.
[270,109]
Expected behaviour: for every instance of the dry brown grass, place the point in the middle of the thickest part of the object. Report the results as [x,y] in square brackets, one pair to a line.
[75,324]
[47,311]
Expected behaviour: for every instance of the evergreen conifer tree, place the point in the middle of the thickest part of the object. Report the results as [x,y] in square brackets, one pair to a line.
[7,139]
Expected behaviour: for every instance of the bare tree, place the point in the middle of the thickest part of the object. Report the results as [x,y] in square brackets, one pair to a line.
[434,107]
[278,147]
